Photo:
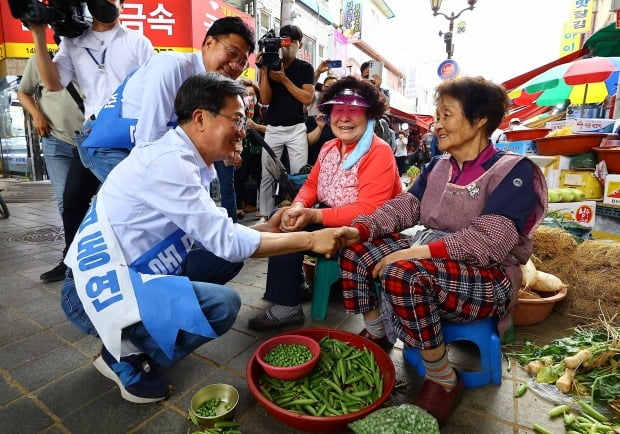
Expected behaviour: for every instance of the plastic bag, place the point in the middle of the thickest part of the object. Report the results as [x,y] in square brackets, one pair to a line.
[404,419]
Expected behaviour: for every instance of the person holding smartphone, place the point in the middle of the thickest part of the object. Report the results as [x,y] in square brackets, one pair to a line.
[286,90]
[376,79]
[318,127]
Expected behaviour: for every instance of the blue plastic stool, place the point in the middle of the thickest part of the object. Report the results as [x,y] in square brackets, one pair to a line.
[326,272]
[484,334]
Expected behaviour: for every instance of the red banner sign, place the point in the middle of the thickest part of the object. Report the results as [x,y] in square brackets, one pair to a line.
[169,24]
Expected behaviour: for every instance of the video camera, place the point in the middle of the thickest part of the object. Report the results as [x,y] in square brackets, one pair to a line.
[65,16]
[270,46]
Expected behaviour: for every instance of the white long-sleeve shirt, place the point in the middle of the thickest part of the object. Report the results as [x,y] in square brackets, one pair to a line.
[161,187]
[99,66]
[149,93]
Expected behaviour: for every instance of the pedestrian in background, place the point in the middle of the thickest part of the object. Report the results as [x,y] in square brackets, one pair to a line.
[400,152]
[248,174]
[286,90]
[56,116]
[97,61]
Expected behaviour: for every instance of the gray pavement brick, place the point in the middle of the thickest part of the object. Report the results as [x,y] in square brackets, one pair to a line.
[23,416]
[28,349]
[168,421]
[109,414]
[69,393]
[9,314]
[18,329]
[48,367]
[8,391]
[188,373]
[67,331]
[224,348]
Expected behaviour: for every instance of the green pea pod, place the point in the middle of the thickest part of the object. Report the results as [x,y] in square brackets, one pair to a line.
[321,409]
[560,409]
[521,391]
[588,409]
[226,424]
[569,418]
[541,429]
[192,418]
[334,386]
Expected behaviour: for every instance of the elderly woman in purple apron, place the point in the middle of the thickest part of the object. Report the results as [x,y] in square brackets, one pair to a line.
[479,206]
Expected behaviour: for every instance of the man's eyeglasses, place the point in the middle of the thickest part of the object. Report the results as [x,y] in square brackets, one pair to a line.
[240,122]
[234,54]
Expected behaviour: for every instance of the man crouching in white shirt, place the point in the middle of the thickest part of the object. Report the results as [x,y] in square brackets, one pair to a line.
[136,280]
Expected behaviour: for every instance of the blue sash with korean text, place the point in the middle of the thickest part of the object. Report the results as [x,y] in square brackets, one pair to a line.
[110,129]
[116,295]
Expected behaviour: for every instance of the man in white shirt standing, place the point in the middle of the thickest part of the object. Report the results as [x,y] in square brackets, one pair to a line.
[135,280]
[97,61]
[145,99]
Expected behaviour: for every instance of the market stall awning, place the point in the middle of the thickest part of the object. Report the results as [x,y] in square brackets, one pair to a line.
[523,78]
[423,121]
[605,42]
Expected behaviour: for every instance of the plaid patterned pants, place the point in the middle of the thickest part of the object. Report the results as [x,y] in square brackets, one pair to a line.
[421,291]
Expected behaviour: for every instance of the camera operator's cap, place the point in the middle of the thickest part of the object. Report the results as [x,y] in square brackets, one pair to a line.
[347,97]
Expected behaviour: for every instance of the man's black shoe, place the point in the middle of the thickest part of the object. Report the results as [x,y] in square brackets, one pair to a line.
[55,274]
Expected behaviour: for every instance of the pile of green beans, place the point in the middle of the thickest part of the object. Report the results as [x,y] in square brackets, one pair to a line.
[284,355]
[346,379]
[222,427]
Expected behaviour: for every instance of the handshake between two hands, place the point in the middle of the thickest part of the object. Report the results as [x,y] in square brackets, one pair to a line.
[329,240]
[325,241]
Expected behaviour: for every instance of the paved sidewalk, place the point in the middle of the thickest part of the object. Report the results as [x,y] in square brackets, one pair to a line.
[48,383]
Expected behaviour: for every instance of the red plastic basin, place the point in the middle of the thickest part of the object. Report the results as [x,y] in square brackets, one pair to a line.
[529,134]
[328,423]
[568,145]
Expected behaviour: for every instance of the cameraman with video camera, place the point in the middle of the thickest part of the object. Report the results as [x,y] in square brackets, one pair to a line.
[98,59]
[286,85]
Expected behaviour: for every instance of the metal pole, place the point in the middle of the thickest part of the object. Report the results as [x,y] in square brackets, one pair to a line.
[451,46]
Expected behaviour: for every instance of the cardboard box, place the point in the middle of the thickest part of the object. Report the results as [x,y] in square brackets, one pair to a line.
[520,147]
[583,125]
[555,125]
[583,213]
[551,167]
[583,180]
[612,190]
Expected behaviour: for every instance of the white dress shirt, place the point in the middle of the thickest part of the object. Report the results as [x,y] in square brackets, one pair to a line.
[100,64]
[149,93]
[162,187]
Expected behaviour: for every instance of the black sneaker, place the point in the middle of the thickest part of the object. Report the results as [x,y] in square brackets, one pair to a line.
[55,274]
[136,377]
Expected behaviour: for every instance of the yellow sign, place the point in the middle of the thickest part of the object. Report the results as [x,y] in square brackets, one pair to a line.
[570,43]
[249,73]
[580,17]
[26,49]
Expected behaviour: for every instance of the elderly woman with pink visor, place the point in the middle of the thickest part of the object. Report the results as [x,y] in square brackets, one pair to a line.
[354,174]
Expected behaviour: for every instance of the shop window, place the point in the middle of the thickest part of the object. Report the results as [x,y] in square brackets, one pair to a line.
[264,23]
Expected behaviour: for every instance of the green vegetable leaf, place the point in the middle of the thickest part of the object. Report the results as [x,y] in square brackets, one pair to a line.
[550,374]
[606,388]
